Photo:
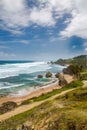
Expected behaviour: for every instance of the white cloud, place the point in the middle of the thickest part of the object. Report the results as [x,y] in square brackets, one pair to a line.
[77,27]
[78,24]
[74,46]
[81,6]
[85,46]
[24,41]
[86,49]
[3,47]
[42,17]
[7,55]
[15,15]
[57,5]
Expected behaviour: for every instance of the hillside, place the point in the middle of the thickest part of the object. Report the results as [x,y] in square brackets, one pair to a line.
[79,60]
[65,112]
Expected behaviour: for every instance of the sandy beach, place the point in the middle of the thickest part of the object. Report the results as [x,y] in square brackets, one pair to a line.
[36,93]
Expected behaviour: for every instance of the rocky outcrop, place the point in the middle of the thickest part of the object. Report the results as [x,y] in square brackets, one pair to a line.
[68,70]
[48,74]
[62,80]
[40,76]
[74,70]
[57,75]
[8,106]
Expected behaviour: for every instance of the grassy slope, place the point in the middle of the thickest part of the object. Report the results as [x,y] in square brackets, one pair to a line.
[79,60]
[74,84]
[65,112]
[84,75]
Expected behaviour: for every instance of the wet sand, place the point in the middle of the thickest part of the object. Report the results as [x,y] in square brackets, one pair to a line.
[41,90]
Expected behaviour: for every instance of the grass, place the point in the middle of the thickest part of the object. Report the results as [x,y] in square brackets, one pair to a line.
[74,84]
[84,75]
[47,110]
[75,102]
[16,120]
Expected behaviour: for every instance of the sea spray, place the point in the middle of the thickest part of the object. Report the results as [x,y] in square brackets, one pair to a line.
[21,76]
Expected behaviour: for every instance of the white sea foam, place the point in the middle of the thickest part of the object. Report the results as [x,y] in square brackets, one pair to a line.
[22,92]
[9,70]
[6,85]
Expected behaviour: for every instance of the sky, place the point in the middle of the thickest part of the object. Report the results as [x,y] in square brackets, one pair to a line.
[42,30]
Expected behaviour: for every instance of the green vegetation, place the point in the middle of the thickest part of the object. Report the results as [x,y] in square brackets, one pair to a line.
[74,84]
[66,112]
[79,60]
[74,70]
[62,112]
[84,75]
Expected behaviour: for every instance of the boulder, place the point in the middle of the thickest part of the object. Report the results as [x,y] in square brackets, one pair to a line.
[8,106]
[68,70]
[62,81]
[40,76]
[48,74]
[57,75]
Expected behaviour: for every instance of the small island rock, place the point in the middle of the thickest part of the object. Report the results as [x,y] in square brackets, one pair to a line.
[40,76]
[48,74]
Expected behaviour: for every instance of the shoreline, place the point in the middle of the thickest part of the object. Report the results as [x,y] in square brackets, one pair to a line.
[37,92]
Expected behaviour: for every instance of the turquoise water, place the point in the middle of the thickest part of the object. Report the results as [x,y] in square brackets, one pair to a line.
[20,77]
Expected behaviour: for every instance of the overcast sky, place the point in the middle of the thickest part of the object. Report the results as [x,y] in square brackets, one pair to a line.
[42,29]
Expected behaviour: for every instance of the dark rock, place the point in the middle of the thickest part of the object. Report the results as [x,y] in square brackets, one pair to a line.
[71,125]
[57,75]
[73,70]
[23,126]
[68,70]
[48,74]
[8,106]
[40,76]
[62,81]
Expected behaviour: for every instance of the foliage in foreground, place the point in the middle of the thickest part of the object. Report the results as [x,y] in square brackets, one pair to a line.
[67,112]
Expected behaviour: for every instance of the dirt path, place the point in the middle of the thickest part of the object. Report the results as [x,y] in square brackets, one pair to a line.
[25,108]
[85,83]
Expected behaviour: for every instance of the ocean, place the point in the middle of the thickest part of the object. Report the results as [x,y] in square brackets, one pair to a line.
[18,78]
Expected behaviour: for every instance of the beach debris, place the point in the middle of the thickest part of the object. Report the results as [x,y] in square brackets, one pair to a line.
[48,74]
[40,76]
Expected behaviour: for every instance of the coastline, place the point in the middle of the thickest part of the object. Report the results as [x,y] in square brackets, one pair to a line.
[37,92]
